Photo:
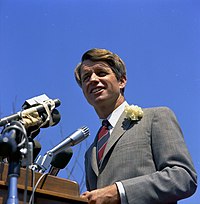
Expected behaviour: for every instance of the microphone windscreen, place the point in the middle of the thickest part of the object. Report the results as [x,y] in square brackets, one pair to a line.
[61,159]
[55,115]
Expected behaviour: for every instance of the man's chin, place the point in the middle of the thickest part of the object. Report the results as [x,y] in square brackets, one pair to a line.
[97,101]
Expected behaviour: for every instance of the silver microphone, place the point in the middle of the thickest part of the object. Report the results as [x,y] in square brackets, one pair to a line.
[75,138]
[43,162]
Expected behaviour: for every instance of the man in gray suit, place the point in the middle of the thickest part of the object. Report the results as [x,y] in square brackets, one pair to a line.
[144,159]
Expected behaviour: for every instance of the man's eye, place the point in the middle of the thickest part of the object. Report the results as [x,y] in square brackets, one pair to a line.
[101,74]
[85,78]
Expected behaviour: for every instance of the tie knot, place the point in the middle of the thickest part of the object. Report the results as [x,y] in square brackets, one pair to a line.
[105,123]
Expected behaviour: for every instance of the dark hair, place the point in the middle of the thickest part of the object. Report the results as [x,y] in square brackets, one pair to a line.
[96,54]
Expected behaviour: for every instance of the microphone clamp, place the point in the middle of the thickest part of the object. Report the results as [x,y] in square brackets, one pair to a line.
[43,162]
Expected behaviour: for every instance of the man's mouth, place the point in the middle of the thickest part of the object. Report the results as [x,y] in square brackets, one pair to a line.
[96,90]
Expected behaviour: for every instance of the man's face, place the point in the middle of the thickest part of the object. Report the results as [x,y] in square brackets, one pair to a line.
[99,83]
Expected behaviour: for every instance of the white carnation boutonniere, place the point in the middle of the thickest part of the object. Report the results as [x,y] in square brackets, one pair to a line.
[133,112]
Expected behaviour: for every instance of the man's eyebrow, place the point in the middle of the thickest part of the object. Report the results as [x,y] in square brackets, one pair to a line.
[85,73]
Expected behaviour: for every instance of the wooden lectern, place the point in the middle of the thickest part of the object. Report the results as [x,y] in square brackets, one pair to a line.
[51,189]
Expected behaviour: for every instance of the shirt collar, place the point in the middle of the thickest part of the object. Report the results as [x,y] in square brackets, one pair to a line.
[114,116]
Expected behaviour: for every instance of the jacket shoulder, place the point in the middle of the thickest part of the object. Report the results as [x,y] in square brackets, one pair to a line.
[161,112]
[160,109]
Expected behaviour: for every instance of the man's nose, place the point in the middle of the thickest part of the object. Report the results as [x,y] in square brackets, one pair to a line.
[94,77]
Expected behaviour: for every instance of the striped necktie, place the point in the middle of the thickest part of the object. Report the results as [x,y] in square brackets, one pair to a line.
[103,136]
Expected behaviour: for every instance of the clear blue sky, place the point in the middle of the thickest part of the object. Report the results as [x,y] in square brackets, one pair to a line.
[41,42]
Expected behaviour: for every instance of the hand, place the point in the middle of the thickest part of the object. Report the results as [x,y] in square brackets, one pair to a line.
[107,195]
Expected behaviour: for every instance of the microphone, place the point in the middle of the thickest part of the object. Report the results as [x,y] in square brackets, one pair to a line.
[43,110]
[34,149]
[40,105]
[75,138]
[60,161]
[34,130]
[79,135]
[10,137]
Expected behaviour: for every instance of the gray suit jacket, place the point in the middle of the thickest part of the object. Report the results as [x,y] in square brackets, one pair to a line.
[148,156]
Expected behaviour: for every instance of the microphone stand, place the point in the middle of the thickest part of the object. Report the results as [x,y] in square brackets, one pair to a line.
[13,174]
[8,142]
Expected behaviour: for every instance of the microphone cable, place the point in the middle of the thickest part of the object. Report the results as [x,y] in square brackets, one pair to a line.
[33,186]
[23,130]
[31,200]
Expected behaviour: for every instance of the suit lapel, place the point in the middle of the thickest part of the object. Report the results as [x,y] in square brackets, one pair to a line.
[94,158]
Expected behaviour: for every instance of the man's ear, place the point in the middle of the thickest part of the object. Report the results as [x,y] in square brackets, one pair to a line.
[122,82]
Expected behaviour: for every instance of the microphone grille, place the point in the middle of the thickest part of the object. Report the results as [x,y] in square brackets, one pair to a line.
[85,131]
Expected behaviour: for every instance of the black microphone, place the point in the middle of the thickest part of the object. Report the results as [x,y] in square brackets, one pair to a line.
[43,162]
[10,137]
[36,149]
[60,161]
[55,115]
